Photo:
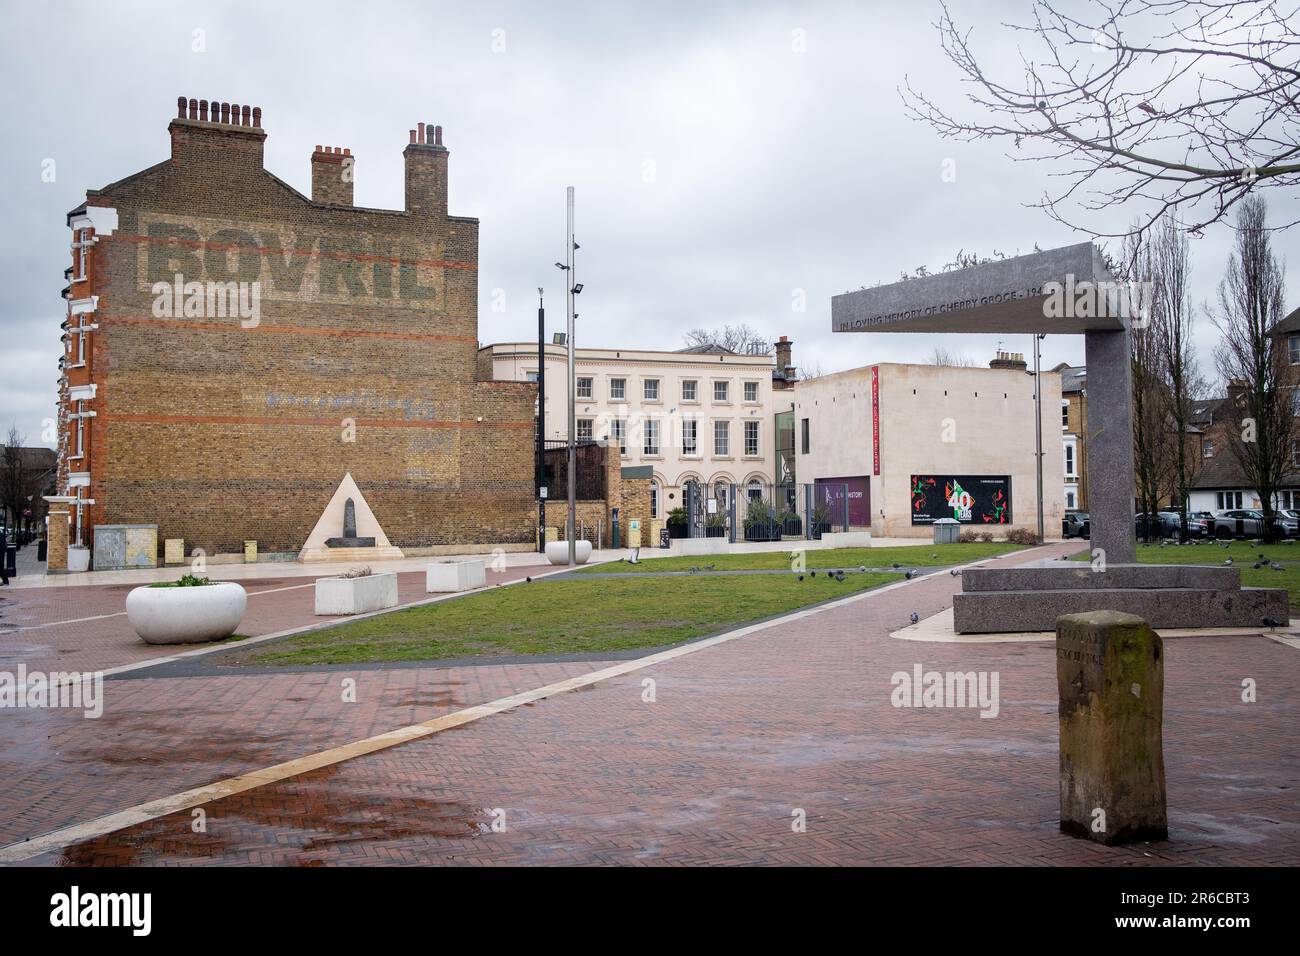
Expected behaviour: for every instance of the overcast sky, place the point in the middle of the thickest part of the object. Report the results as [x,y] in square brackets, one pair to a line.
[726,156]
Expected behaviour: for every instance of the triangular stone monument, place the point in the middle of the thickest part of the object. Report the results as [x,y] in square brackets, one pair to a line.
[348,531]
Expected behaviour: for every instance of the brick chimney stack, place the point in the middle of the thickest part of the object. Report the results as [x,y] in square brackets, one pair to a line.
[784,362]
[218,133]
[1015,361]
[332,176]
[426,172]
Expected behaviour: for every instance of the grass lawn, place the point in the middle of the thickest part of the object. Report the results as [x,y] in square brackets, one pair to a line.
[1244,555]
[916,556]
[562,617]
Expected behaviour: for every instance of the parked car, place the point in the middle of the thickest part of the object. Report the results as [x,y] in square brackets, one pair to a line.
[1168,524]
[1076,524]
[1249,523]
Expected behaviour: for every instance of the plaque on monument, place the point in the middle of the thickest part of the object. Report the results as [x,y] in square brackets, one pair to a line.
[349,539]
[1111,685]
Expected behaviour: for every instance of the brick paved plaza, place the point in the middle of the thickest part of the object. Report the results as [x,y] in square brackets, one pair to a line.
[742,735]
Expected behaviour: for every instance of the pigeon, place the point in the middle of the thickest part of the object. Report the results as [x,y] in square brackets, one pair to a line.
[955,572]
[1227,562]
[1275,566]
[1272,622]
[528,580]
[839,577]
[896,565]
[934,555]
[910,574]
[814,573]
[862,568]
[694,571]
[915,617]
[1257,565]
[801,577]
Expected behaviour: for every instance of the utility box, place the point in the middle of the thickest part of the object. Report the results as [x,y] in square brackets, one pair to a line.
[122,546]
[946,530]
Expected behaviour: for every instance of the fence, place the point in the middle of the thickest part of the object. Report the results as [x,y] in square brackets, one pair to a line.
[759,512]
[589,458]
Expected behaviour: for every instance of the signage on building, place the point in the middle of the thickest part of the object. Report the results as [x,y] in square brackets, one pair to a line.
[970,499]
[875,420]
[832,491]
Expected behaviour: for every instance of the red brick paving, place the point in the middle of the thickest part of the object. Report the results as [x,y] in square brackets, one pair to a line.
[110,642]
[741,734]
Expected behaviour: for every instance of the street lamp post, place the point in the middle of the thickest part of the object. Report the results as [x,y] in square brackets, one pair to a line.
[1038,431]
[570,529]
[541,423]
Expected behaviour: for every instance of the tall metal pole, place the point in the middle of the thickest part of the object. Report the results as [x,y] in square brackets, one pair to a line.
[1038,432]
[571,277]
[541,422]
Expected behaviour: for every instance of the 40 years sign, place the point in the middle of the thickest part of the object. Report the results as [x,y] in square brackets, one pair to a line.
[970,499]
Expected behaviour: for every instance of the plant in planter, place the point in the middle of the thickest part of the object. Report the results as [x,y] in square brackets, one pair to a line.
[790,523]
[821,520]
[715,526]
[356,591]
[677,523]
[761,522]
[186,611]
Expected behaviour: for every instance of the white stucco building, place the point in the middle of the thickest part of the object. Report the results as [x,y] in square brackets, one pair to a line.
[690,414]
[917,442]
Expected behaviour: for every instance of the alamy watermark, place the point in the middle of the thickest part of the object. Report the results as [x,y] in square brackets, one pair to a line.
[208,300]
[922,688]
[75,690]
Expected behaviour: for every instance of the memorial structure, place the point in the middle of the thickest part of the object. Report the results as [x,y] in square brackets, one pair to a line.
[1065,291]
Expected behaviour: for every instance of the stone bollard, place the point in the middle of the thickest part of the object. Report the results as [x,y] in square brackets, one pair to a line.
[1110,675]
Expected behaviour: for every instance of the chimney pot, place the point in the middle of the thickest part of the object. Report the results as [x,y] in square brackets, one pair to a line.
[248,116]
[437,135]
[203,110]
[194,109]
[412,136]
[421,128]
[180,107]
[257,116]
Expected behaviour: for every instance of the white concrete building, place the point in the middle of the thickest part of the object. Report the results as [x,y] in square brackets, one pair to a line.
[918,442]
[691,414]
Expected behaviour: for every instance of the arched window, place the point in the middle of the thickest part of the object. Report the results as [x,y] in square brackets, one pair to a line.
[754,490]
[654,498]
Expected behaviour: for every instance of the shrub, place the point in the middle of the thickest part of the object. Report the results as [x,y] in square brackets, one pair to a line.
[968,537]
[677,517]
[357,573]
[1021,536]
[185,581]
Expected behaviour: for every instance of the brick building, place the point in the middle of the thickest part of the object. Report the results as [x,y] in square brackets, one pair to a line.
[234,348]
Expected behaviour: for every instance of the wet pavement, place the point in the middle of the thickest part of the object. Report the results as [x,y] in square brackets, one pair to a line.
[741,740]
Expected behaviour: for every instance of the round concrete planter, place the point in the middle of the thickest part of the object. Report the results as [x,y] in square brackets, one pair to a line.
[208,612]
[557,552]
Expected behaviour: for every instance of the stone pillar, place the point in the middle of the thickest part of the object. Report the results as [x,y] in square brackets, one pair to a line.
[1111,680]
[56,553]
[1110,444]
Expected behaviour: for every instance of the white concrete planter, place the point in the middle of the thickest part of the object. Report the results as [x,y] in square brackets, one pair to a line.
[557,552]
[208,612]
[78,558]
[442,576]
[695,546]
[846,539]
[356,595]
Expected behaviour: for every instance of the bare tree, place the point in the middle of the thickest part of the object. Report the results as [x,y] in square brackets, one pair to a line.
[1152,454]
[740,338]
[1188,104]
[13,477]
[1253,362]
[810,371]
[1169,261]
[941,356]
